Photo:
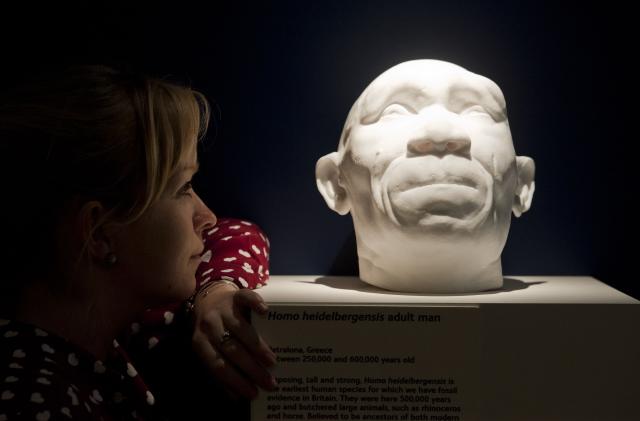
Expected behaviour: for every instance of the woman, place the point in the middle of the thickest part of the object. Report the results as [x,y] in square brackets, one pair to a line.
[102,224]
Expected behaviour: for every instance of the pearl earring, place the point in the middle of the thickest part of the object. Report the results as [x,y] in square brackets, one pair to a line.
[111,259]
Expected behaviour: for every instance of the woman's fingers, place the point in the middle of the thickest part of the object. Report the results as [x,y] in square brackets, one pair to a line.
[246,333]
[243,332]
[233,363]
[235,352]
[222,369]
[252,300]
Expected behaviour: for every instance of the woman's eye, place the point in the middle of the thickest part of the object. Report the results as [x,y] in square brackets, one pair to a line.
[187,189]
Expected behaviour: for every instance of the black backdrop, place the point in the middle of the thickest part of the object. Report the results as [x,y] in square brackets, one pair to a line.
[284,74]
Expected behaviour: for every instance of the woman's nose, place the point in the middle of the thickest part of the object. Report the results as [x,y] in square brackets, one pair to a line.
[204,218]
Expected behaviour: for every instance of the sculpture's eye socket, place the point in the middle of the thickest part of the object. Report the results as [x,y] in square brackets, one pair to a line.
[394,110]
[476,110]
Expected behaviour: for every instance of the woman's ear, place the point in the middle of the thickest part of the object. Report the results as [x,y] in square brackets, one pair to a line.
[97,243]
[526,185]
[328,181]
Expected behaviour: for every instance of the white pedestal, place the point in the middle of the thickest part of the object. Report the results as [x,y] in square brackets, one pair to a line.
[541,348]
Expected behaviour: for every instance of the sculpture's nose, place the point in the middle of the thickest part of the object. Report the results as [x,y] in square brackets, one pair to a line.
[440,132]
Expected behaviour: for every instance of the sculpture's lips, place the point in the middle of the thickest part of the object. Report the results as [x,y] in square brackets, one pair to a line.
[452,186]
[455,200]
[447,180]
[427,171]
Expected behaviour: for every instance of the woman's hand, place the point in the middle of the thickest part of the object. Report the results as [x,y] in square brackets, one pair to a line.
[227,344]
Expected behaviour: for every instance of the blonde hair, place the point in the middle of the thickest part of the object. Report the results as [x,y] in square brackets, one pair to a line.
[170,117]
[93,133]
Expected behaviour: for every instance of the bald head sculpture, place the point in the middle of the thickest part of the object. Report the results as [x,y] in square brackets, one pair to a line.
[427,168]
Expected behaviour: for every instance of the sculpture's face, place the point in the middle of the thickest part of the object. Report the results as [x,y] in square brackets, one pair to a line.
[428,148]
[427,168]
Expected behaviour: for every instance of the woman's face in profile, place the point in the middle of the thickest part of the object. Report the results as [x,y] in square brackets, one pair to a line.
[160,252]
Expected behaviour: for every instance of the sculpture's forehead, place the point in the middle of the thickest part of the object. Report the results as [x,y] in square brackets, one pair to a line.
[430,79]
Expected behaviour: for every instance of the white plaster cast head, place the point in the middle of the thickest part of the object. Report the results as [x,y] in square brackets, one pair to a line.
[427,168]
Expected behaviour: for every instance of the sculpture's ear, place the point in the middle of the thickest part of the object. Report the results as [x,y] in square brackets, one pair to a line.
[526,185]
[328,181]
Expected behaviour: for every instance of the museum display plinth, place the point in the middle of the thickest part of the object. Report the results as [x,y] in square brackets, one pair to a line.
[541,348]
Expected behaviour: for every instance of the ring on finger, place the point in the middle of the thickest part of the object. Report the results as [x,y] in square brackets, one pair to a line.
[226,337]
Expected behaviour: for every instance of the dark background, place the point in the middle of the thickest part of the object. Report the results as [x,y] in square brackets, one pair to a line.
[283,76]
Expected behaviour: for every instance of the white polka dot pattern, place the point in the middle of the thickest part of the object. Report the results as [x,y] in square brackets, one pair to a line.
[43,416]
[73,396]
[72,359]
[118,397]
[40,332]
[99,368]
[234,253]
[131,371]
[168,317]
[18,353]
[96,395]
[35,380]
[36,398]
[206,257]
[153,341]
